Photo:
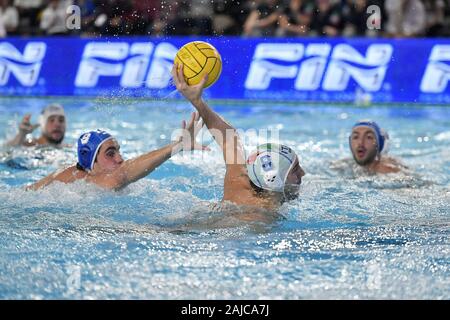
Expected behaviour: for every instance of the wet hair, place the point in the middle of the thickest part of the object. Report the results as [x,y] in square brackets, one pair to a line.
[262,192]
[80,167]
[259,191]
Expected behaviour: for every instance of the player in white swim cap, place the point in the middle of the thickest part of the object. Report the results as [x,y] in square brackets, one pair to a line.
[275,167]
[270,176]
[52,121]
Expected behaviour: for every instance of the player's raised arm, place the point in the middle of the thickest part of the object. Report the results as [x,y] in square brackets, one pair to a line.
[224,134]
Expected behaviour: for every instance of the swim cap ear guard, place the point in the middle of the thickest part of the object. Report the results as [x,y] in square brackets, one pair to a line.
[53,109]
[88,146]
[380,135]
[269,166]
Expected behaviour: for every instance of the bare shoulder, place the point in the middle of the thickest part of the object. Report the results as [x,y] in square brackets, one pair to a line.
[67,175]
[395,162]
[391,165]
[112,181]
[237,187]
[236,177]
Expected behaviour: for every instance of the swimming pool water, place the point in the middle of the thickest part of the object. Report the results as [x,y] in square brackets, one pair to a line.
[349,236]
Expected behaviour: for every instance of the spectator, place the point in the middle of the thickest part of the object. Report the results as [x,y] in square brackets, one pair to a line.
[118,14]
[296,18]
[87,8]
[28,15]
[263,20]
[399,18]
[435,11]
[9,18]
[53,21]
[2,28]
[354,14]
[326,19]
[164,20]
[95,20]
[201,13]
[194,17]
[406,18]
[383,17]
[228,17]
[145,13]
[174,19]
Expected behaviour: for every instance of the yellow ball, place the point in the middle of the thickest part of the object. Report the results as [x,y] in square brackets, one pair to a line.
[199,58]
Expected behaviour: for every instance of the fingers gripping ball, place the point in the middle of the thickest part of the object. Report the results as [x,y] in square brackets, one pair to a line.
[199,58]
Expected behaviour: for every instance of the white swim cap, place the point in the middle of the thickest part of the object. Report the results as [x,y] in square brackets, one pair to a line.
[53,109]
[269,166]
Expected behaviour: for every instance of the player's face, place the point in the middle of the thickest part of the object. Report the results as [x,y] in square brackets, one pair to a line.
[294,180]
[55,129]
[363,144]
[108,157]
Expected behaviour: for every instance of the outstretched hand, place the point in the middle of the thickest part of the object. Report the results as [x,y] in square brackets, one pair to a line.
[190,132]
[25,127]
[192,93]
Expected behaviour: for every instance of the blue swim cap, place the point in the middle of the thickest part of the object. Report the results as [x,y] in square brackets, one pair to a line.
[88,145]
[379,135]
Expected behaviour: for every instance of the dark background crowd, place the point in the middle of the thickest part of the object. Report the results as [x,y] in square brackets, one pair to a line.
[267,18]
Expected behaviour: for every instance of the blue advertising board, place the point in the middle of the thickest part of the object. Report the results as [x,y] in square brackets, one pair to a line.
[292,69]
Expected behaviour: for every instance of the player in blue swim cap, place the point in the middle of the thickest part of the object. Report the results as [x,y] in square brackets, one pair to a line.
[367,143]
[100,161]
[268,177]
[89,145]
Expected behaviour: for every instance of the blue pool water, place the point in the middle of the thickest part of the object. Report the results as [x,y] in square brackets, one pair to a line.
[349,236]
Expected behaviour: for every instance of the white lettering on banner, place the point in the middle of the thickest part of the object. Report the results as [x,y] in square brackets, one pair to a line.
[131,63]
[312,69]
[159,74]
[136,66]
[25,67]
[340,70]
[309,72]
[262,71]
[437,73]
[91,68]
